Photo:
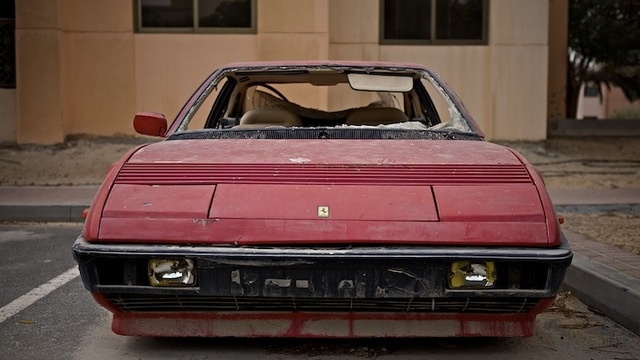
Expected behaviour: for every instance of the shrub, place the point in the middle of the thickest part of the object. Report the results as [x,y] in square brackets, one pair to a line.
[631,113]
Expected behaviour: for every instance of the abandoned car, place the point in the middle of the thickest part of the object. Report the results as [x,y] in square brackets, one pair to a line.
[321,199]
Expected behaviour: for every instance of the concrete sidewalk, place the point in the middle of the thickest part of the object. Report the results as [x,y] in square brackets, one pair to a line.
[45,203]
[601,275]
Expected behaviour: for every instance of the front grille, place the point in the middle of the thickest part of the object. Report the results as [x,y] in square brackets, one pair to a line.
[196,303]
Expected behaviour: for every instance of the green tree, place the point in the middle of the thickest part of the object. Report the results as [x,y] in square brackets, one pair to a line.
[604,47]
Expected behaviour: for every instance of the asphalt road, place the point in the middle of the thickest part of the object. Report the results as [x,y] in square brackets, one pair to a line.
[45,313]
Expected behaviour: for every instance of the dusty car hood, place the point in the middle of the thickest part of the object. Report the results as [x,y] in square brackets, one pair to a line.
[325,192]
[324,152]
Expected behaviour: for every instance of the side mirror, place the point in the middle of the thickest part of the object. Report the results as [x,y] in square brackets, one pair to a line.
[152,124]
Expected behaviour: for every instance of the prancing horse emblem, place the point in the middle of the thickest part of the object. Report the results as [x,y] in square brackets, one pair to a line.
[323,211]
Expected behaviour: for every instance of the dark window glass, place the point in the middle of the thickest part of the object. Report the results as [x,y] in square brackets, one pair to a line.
[224,13]
[591,90]
[434,21]
[459,19]
[7,44]
[407,19]
[7,9]
[167,13]
[193,15]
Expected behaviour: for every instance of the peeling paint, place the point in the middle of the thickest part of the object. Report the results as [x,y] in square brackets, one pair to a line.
[299,160]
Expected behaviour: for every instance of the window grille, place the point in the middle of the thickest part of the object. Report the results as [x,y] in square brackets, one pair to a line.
[7,54]
[200,16]
[449,22]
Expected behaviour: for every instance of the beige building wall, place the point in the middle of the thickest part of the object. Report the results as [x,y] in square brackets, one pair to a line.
[169,68]
[83,69]
[503,84]
[519,69]
[98,68]
[39,43]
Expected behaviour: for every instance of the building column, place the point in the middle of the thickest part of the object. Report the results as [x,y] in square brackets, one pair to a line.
[558,43]
[39,100]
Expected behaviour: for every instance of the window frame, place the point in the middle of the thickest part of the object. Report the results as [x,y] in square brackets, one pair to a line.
[195,29]
[432,23]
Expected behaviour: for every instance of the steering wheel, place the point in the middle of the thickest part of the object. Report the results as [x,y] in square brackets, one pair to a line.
[275,91]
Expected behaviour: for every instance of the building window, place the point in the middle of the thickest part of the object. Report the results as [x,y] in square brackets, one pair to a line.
[591,90]
[7,45]
[434,22]
[212,16]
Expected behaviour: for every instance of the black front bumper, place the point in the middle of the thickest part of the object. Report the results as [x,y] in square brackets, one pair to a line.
[384,279]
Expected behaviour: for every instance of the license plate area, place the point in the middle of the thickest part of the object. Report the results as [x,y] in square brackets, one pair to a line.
[336,280]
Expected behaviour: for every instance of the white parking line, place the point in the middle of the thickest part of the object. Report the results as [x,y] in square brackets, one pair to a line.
[36,294]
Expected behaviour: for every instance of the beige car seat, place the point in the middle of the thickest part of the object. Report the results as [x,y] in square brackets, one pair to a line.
[263,118]
[376,116]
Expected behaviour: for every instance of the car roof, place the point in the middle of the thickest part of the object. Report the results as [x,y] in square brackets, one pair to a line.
[322,63]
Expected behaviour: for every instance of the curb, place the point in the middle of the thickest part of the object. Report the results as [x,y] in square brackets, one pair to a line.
[73,212]
[629,209]
[39,213]
[614,293]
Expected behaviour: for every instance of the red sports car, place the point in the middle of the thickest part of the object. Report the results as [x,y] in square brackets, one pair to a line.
[322,199]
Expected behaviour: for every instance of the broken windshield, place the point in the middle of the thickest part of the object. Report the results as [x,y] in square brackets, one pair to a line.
[310,99]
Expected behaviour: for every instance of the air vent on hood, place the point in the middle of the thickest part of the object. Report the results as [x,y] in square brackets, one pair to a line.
[190,174]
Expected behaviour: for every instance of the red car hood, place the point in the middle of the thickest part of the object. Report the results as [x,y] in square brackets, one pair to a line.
[324,192]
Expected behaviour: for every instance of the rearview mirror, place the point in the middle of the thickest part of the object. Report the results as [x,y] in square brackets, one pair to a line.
[152,124]
[392,83]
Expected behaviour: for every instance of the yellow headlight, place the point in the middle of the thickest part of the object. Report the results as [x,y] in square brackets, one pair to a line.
[171,272]
[472,274]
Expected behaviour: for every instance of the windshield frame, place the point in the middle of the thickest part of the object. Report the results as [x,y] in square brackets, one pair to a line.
[236,74]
